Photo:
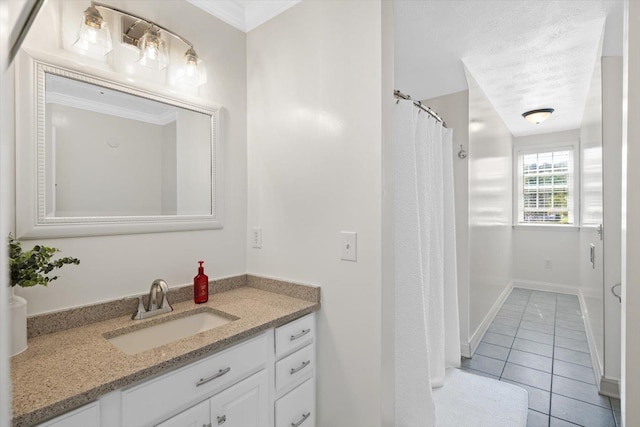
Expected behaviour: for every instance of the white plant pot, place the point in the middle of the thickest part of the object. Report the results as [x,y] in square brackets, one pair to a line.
[18,313]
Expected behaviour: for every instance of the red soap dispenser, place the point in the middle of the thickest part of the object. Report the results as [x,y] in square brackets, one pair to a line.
[201,286]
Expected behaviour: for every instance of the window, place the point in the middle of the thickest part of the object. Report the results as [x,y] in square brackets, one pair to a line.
[545,186]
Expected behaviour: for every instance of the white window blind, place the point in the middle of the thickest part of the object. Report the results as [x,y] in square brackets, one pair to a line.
[545,187]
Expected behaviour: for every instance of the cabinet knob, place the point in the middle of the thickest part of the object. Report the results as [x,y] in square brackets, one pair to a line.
[222,419]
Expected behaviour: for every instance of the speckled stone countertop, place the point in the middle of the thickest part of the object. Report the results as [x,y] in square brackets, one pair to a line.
[64,370]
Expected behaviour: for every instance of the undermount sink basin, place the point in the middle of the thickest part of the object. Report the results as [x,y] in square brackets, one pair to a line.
[146,338]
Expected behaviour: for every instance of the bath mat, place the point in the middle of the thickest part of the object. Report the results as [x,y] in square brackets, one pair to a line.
[469,400]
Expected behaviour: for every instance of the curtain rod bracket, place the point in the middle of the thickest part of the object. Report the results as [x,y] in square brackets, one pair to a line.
[399,95]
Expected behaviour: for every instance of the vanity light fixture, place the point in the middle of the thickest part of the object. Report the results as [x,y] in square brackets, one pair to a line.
[193,71]
[153,50]
[94,34]
[538,116]
[145,35]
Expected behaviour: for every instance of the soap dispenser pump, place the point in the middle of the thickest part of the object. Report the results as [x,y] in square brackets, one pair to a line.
[201,286]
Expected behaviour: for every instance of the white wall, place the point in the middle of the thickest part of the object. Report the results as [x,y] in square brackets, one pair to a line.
[490,208]
[454,108]
[388,378]
[532,246]
[612,176]
[630,387]
[315,168]
[116,266]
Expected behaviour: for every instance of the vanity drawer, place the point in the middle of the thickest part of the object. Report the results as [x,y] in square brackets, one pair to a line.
[295,335]
[155,399]
[297,408]
[295,368]
[86,416]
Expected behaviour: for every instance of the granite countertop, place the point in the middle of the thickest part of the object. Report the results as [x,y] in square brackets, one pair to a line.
[64,370]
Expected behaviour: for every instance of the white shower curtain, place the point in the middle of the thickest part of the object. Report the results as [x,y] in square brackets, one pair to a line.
[426,308]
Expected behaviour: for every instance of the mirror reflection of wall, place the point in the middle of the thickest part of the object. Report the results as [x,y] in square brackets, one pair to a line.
[114,154]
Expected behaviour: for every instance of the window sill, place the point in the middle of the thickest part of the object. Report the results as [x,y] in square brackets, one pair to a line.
[546,227]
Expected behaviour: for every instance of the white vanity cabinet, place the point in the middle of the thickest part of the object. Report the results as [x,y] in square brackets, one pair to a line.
[197,416]
[216,378]
[244,404]
[265,381]
[295,367]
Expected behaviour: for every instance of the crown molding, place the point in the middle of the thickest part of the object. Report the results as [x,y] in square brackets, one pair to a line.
[244,15]
[110,109]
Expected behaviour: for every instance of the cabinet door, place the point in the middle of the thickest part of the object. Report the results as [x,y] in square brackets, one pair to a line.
[297,408]
[196,416]
[243,405]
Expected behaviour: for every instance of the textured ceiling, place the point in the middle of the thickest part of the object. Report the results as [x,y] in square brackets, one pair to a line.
[523,54]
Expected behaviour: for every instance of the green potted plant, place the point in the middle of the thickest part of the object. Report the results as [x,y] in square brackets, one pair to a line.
[29,268]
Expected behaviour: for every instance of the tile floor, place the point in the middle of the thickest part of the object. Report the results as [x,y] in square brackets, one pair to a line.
[538,342]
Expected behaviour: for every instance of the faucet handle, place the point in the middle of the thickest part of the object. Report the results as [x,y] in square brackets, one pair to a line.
[140,311]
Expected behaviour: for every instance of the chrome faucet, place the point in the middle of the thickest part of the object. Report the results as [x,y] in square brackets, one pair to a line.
[153,309]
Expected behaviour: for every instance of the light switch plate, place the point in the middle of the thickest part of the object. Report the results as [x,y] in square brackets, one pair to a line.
[256,237]
[349,245]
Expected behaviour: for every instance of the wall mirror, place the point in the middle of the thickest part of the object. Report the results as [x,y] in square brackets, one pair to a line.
[95,157]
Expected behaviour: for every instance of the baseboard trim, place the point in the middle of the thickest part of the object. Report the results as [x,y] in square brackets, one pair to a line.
[591,339]
[486,322]
[609,387]
[559,288]
[465,350]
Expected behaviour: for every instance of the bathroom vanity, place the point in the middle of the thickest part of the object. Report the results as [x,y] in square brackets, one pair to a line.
[256,370]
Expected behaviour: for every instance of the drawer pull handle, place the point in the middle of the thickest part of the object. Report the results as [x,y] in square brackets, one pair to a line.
[220,373]
[294,370]
[301,334]
[222,419]
[303,419]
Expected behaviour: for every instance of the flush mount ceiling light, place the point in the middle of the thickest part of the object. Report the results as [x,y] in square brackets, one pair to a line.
[538,116]
[147,36]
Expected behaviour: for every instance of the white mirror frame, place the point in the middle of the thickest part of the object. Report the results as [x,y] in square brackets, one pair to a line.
[31,219]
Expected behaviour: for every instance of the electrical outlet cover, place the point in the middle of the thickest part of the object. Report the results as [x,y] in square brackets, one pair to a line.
[349,245]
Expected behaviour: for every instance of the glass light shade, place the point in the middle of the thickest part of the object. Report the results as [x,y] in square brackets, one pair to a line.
[538,116]
[153,50]
[192,71]
[94,35]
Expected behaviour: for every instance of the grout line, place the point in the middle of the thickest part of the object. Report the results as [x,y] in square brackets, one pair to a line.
[511,348]
[528,385]
[574,379]
[583,401]
[572,349]
[566,421]
[529,367]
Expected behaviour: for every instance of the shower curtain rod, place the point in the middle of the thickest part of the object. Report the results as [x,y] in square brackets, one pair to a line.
[418,104]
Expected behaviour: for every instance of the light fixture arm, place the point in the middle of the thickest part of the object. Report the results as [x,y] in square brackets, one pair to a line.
[141,19]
